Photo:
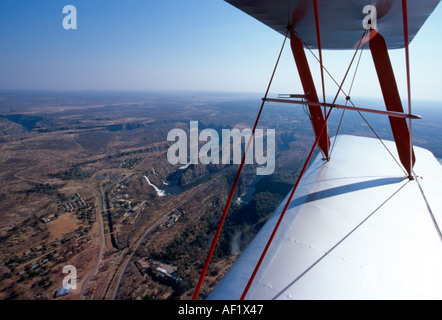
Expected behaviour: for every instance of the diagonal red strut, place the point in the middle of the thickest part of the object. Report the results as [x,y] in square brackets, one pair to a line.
[317,117]
[392,100]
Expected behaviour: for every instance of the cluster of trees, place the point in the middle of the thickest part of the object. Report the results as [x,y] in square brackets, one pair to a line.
[73,172]
[41,188]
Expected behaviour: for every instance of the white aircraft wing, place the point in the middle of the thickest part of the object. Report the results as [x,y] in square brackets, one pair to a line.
[357,228]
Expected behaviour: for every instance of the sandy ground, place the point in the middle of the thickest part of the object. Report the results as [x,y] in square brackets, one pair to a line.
[64,224]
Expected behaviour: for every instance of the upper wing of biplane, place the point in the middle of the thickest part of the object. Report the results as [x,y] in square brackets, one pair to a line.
[340,20]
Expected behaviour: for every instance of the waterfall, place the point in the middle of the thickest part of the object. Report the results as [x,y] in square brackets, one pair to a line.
[160,193]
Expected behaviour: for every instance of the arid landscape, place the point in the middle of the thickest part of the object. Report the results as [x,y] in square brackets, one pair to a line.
[86,183]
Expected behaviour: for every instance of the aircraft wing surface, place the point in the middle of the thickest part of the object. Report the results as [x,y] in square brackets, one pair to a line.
[357,228]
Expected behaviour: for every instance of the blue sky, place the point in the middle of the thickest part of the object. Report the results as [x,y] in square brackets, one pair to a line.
[177,45]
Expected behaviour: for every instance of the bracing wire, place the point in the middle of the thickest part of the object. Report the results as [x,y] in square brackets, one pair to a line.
[350,89]
[232,191]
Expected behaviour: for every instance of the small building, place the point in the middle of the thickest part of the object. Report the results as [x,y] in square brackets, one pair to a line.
[62,291]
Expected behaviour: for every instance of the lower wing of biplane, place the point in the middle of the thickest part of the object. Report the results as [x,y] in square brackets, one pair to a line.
[357,228]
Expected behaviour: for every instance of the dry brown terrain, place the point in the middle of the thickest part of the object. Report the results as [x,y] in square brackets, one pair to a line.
[74,192]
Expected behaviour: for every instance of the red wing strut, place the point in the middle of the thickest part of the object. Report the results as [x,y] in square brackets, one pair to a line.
[308,85]
[392,99]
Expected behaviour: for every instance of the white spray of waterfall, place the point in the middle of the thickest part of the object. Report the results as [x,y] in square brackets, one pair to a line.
[160,193]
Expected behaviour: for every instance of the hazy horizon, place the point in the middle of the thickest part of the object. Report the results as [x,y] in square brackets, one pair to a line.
[177,45]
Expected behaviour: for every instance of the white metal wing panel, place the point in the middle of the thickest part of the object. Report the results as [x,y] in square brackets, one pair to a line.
[357,229]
